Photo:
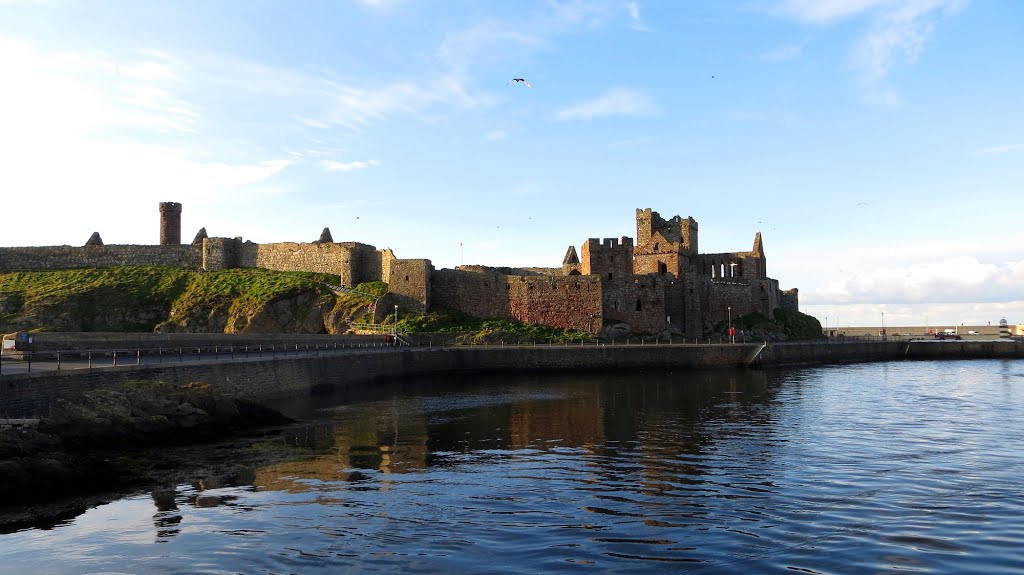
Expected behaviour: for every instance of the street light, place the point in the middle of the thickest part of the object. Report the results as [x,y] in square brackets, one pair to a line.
[732,335]
[395,328]
[883,325]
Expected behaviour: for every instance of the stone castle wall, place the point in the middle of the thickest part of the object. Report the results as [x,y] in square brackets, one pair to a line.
[352,262]
[572,302]
[45,258]
[477,294]
[743,297]
[410,283]
[660,283]
[638,301]
[790,300]
[569,302]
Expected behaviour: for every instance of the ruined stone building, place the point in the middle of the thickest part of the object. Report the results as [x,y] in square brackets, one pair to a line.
[661,283]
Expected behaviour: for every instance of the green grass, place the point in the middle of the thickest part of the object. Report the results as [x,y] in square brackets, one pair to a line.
[793,324]
[245,291]
[137,298]
[481,329]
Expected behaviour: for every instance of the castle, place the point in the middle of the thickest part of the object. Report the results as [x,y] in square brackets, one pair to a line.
[661,283]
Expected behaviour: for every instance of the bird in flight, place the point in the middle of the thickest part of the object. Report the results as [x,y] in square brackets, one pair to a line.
[520,80]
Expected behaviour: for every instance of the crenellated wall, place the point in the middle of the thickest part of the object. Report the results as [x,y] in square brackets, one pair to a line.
[660,283]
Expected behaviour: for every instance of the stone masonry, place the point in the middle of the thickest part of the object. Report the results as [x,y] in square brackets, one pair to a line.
[658,283]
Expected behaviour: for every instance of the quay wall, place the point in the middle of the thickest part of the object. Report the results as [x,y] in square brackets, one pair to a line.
[816,353]
[80,341]
[30,395]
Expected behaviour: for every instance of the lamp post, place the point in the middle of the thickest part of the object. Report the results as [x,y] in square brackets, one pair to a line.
[395,328]
[883,325]
[732,337]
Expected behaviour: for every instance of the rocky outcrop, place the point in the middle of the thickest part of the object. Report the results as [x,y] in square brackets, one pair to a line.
[79,448]
[303,312]
[163,299]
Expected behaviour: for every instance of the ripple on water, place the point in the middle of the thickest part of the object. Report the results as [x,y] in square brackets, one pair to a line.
[906,467]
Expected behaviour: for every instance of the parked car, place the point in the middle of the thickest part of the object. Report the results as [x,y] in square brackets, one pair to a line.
[947,336]
[972,332]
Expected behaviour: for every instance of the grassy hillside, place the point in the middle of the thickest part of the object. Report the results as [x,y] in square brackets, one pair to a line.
[480,330]
[139,299]
[790,325]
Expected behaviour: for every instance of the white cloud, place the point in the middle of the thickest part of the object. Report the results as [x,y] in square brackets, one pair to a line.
[629,143]
[930,315]
[459,50]
[828,10]
[495,135]
[898,33]
[1001,149]
[50,93]
[959,279]
[787,52]
[358,108]
[633,9]
[381,5]
[91,135]
[615,102]
[334,166]
[311,123]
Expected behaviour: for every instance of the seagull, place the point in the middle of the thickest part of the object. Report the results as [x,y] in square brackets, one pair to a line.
[520,80]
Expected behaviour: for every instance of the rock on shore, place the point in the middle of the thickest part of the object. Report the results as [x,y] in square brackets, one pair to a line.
[82,447]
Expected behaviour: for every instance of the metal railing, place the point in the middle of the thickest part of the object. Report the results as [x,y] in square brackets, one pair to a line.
[33,361]
[29,361]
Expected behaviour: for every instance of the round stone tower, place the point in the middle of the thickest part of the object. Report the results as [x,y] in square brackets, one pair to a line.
[170,223]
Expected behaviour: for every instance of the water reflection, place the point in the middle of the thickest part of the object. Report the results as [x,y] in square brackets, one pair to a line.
[847,469]
[167,517]
[429,422]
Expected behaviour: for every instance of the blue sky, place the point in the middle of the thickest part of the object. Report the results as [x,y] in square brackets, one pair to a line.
[878,145]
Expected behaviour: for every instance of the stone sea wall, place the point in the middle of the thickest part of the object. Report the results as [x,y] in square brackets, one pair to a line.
[30,395]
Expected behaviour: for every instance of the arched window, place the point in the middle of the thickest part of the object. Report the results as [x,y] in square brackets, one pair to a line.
[662,268]
[655,246]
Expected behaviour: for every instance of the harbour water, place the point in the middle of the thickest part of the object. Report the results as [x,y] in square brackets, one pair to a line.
[901,467]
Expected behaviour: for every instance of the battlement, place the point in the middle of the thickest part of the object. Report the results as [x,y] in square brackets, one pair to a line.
[611,243]
[170,223]
[657,282]
[657,235]
[611,258]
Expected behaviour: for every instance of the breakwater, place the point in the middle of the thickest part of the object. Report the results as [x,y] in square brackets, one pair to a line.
[30,395]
